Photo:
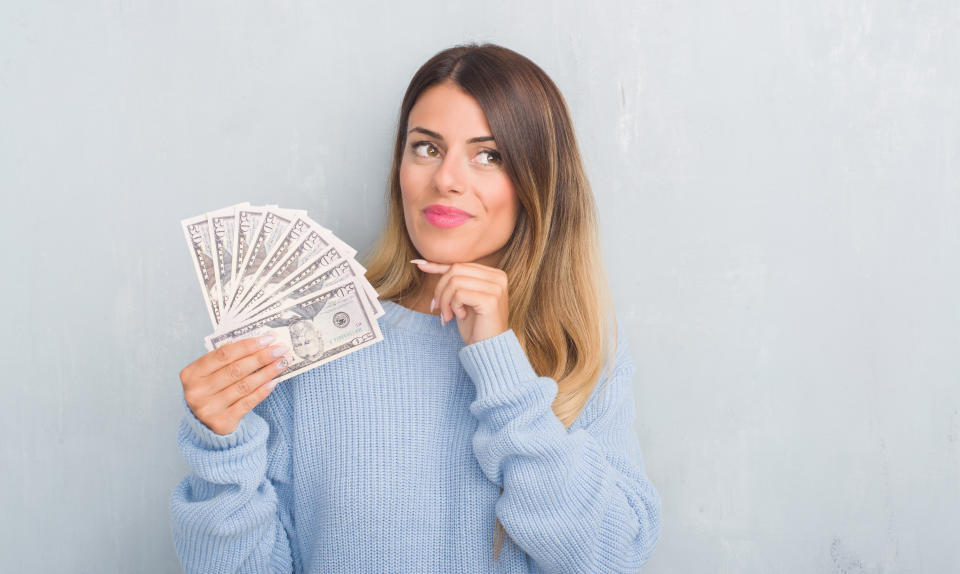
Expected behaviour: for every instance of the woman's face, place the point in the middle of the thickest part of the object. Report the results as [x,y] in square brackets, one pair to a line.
[442,168]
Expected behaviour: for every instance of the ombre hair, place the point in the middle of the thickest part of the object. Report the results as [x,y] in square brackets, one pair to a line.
[561,309]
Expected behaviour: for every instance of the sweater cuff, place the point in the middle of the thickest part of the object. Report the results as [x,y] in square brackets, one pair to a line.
[204,437]
[497,365]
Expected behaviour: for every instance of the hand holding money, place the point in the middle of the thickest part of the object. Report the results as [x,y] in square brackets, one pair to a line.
[226,383]
[268,271]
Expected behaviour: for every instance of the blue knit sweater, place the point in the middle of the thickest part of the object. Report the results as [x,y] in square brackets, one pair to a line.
[391,459]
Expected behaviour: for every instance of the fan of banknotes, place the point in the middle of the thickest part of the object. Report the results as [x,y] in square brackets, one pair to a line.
[273,270]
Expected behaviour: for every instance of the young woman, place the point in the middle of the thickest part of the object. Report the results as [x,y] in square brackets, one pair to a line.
[492,429]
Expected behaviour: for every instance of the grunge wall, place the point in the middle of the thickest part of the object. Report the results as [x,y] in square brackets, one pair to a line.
[779,199]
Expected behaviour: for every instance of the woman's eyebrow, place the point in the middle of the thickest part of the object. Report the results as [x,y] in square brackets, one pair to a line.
[440,137]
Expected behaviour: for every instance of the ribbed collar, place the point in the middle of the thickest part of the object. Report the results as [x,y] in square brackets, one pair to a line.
[399,316]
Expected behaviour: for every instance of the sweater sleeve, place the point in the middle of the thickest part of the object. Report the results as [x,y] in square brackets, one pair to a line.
[231,513]
[575,500]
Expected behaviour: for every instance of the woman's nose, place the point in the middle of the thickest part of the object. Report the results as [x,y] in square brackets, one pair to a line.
[451,174]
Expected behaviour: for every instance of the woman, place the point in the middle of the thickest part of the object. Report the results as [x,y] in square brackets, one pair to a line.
[499,402]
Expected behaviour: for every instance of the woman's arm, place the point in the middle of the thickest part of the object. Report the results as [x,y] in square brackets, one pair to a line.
[232,512]
[577,500]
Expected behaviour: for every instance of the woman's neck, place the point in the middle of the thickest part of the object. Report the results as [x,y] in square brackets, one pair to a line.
[421,300]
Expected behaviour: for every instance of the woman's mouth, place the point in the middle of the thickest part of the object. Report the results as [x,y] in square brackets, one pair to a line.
[445,216]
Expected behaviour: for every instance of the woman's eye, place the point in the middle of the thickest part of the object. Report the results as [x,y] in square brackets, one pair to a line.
[419,145]
[494,157]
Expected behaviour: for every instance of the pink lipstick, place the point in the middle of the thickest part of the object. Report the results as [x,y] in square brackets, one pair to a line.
[445,216]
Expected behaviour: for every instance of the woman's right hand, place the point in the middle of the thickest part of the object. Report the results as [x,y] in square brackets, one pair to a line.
[226,383]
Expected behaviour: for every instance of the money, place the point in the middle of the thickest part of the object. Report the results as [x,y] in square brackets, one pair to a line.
[265,269]
[197,232]
[221,224]
[317,329]
[274,226]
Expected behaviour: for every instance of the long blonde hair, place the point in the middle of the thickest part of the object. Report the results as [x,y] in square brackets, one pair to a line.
[560,304]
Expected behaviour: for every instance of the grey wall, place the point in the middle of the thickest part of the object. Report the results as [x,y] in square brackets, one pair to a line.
[778,186]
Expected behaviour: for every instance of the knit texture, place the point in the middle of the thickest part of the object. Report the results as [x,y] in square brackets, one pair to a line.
[391,459]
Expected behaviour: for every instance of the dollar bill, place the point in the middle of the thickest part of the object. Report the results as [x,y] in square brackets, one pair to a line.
[247,228]
[316,282]
[312,246]
[273,228]
[344,249]
[317,329]
[295,235]
[222,226]
[350,252]
[197,232]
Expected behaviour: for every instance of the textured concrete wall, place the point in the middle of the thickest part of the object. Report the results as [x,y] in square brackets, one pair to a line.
[778,187]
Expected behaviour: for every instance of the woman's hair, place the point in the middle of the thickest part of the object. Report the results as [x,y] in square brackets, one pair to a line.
[560,305]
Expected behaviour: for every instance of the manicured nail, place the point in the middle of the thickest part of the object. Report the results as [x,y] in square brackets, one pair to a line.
[265,340]
[433,303]
[281,364]
[280,351]
[418,261]
[272,384]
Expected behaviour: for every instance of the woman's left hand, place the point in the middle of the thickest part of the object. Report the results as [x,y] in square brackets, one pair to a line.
[476,294]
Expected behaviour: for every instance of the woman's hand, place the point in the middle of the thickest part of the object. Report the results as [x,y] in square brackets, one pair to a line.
[226,383]
[476,294]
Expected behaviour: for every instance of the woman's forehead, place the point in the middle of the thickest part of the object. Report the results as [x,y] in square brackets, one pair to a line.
[448,112]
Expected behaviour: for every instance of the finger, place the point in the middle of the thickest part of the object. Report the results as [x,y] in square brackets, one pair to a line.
[251,390]
[429,267]
[461,282]
[482,302]
[226,354]
[492,274]
[250,384]
[240,368]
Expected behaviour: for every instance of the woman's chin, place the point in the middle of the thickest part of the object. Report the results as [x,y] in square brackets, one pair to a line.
[445,255]
[447,252]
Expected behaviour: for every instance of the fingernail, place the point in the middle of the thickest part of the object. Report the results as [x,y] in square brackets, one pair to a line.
[280,351]
[281,364]
[433,303]
[272,384]
[418,261]
[265,340]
